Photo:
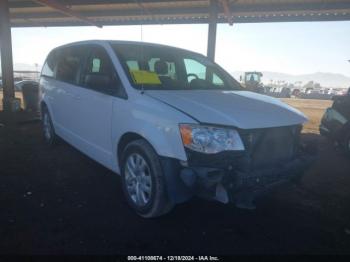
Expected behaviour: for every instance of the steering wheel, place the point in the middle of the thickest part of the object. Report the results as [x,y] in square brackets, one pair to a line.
[193,75]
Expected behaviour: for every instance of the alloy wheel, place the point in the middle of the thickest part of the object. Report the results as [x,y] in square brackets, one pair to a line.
[138,179]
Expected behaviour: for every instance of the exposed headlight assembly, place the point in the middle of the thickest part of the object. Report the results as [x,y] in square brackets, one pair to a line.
[210,139]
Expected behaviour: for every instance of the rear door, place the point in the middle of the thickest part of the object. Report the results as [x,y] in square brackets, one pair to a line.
[68,71]
[48,84]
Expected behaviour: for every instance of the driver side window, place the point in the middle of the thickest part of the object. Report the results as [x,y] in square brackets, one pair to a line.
[99,73]
[196,70]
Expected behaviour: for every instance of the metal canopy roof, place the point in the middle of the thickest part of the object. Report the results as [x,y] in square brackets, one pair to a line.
[122,12]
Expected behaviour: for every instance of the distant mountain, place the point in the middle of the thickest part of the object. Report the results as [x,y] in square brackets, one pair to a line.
[325,79]
[25,67]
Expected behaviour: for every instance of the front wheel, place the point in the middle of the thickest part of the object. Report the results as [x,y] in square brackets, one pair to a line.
[143,180]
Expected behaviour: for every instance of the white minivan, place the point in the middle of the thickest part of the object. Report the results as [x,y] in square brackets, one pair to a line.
[171,122]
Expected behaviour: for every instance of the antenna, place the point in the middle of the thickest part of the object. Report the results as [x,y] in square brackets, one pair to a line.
[143,9]
[143,57]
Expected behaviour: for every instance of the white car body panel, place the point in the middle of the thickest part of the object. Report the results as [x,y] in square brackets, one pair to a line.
[93,136]
[153,120]
[71,107]
[94,122]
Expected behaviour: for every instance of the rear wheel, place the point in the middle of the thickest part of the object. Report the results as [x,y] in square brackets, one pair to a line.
[143,180]
[347,145]
[50,136]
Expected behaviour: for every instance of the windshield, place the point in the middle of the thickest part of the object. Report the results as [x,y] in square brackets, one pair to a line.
[165,68]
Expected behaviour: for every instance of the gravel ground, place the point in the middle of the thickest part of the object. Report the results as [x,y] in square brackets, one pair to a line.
[58,201]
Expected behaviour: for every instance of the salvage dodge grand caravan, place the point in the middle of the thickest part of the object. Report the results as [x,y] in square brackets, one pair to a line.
[172,123]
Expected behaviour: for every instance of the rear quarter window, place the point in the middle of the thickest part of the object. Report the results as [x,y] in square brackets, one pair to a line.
[69,64]
[50,64]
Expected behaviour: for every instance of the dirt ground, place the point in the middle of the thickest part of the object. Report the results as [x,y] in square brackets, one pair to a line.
[58,201]
[17,95]
[312,108]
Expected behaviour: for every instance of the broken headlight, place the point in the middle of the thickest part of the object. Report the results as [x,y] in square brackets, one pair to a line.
[210,139]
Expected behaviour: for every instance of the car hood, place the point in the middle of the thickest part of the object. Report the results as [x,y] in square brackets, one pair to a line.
[241,109]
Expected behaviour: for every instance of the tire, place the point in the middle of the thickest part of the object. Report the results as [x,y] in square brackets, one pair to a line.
[143,180]
[346,145]
[49,134]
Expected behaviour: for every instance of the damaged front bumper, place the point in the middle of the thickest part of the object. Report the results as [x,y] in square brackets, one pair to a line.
[233,181]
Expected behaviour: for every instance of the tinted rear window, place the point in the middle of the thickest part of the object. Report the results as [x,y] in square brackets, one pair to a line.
[50,64]
[69,64]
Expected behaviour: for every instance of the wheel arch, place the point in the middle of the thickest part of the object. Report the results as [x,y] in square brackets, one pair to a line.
[45,103]
[164,144]
[42,105]
[124,140]
[176,190]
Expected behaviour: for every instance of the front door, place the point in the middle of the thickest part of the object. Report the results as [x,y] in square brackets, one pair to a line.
[93,112]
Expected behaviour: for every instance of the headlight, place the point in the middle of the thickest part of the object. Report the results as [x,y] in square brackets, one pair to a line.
[209,139]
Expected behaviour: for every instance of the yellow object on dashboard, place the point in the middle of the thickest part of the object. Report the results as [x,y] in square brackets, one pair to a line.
[145,77]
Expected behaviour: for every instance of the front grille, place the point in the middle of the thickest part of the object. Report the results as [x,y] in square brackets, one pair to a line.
[271,146]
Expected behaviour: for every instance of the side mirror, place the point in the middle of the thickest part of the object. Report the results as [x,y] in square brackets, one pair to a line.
[97,81]
[106,84]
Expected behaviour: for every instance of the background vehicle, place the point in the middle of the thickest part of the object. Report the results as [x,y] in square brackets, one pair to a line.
[171,122]
[335,123]
[252,82]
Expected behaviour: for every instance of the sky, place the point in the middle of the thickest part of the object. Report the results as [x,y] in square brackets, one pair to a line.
[293,48]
